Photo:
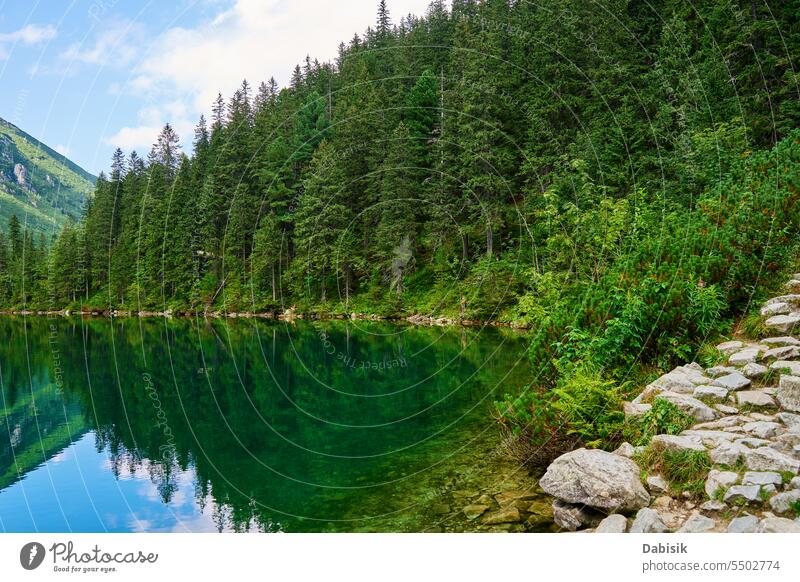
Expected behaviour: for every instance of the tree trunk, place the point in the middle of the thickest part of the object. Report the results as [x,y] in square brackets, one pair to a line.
[347,276]
[274,294]
[489,239]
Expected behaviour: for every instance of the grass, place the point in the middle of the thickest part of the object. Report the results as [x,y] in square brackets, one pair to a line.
[683,470]
[752,326]
[663,418]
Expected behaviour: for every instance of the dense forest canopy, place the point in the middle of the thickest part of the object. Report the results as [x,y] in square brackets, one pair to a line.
[576,165]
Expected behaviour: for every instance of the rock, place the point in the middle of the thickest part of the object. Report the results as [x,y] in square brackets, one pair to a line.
[794,483]
[506,497]
[718,371]
[768,459]
[784,340]
[626,450]
[648,521]
[763,417]
[761,478]
[725,409]
[743,524]
[745,356]
[785,365]
[697,523]
[753,370]
[689,405]
[733,381]
[713,505]
[728,454]
[783,502]
[761,429]
[633,410]
[677,443]
[746,493]
[753,442]
[728,348]
[778,525]
[782,353]
[657,484]
[724,422]
[792,299]
[474,511]
[789,419]
[788,393]
[783,323]
[717,480]
[754,398]
[614,523]
[597,479]
[710,438]
[440,509]
[505,515]
[21,174]
[779,308]
[678,380]
[714,392]
[574,517]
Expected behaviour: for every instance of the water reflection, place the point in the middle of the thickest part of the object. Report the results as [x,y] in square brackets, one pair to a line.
[153,425]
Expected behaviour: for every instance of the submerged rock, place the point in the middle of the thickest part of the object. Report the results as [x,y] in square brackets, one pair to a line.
[505,515]
[474,511]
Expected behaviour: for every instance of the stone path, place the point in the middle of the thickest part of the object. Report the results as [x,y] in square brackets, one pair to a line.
[747,413]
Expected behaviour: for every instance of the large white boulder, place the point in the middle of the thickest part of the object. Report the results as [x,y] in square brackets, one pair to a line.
[598,479]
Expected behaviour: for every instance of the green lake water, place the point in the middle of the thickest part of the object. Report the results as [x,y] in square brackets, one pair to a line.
[245,425]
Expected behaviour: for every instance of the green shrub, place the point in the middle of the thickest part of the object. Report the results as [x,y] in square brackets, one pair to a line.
[663,418]
[585,409]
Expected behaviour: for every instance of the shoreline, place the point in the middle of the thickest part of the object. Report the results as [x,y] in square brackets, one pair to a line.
[286,315]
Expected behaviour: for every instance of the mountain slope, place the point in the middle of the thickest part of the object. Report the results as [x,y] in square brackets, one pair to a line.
[37,183]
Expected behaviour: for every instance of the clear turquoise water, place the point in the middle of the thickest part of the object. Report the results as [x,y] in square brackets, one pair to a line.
[191,425]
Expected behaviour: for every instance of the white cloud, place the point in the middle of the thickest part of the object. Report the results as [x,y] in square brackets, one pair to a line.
[252,39]
[29,35]
[117,44]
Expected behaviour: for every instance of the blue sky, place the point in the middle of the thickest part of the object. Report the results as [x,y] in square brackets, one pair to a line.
[86,76]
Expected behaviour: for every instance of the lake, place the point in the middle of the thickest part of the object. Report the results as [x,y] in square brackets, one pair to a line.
[244,425]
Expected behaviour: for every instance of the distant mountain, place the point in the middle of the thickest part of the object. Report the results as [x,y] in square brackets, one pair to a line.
[37,183]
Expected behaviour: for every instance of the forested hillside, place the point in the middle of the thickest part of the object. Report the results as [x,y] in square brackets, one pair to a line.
[39,185]
[574,165]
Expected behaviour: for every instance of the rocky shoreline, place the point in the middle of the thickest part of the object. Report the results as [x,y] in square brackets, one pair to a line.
[745,440]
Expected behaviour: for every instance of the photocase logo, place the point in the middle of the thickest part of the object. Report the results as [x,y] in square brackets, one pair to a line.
[31,555]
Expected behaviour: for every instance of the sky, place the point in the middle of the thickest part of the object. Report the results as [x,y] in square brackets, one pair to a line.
[87,76]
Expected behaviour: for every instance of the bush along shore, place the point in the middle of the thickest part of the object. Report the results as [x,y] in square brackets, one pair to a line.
[718,448]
